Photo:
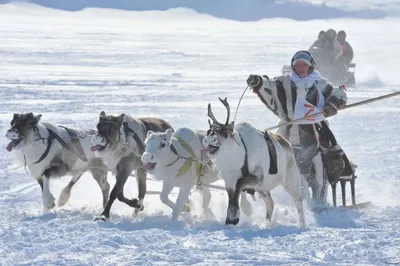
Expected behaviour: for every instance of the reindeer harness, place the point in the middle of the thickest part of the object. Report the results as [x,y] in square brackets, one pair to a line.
[189,161]
[74,146]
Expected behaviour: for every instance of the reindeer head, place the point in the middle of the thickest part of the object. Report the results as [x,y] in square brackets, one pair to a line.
[157,149]
[108,131]
[22,126]
[218,133]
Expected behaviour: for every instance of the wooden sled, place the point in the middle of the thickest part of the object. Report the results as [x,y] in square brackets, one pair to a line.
[348,175]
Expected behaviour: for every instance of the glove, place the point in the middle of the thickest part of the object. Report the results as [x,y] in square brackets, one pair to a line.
[331,106]
[255,81]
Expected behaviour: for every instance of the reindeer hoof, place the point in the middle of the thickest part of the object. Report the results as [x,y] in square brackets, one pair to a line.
[186,208]
[101,218]
[140,208]
[136,203]
[51,205]
[234,221]
[137,210]
[64,197]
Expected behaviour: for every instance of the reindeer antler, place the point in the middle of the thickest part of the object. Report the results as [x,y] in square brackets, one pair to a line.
[211,115]
[228,109]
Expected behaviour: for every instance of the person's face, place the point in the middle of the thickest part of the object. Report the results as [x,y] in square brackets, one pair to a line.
[331,36]
[301,69]
[341,37]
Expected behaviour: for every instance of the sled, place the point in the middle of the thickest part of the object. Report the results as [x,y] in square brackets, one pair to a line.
[343,182]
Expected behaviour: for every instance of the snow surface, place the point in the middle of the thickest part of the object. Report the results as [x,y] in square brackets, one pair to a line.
[69,66]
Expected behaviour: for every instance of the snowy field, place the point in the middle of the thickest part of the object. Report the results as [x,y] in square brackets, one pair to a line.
[69,66]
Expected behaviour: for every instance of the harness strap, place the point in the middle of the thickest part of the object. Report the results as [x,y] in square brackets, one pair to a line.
[76,144]
[52,136]
[245,168]
[138,141]
[188,163]
[273,162]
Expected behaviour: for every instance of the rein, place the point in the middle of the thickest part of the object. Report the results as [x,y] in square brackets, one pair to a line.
[187,147]
[198,164]
[178,157]
[240,100]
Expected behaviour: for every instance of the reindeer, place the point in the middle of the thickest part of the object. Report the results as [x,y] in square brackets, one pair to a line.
[177,159]
[50,151]
[247,158]
[119,142]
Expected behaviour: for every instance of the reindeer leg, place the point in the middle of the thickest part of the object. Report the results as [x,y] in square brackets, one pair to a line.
[269,202]
[66,192]
[206,202]
[245,205]
[233,212]
[99,172]
[232,216]
[100,175]
[183,196]
[292,186]
[299,205]
[321,181]
[124,168]
[47,197]
[57,168]
[118,187]
[141,181]
[166,189]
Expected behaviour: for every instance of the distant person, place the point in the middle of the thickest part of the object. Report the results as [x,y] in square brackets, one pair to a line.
[348,53]
[335,50]
[321,42]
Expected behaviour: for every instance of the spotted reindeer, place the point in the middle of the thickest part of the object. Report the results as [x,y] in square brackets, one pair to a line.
[119,143]
[247,158]
[50,151]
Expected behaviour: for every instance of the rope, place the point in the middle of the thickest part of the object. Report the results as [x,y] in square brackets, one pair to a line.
[237,108]
[343,108]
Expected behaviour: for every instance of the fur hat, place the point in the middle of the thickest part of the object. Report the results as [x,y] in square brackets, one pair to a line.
[303,56]
[306,57]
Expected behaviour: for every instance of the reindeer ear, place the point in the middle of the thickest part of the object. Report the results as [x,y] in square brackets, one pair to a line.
[102,115]
[37,118]
[121,118]
[169,133]
[149,133]
[15,117]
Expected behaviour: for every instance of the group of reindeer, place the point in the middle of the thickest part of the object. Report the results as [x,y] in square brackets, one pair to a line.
[248,160]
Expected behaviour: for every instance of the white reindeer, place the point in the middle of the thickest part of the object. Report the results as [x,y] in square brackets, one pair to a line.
[177,160]
[249,158]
